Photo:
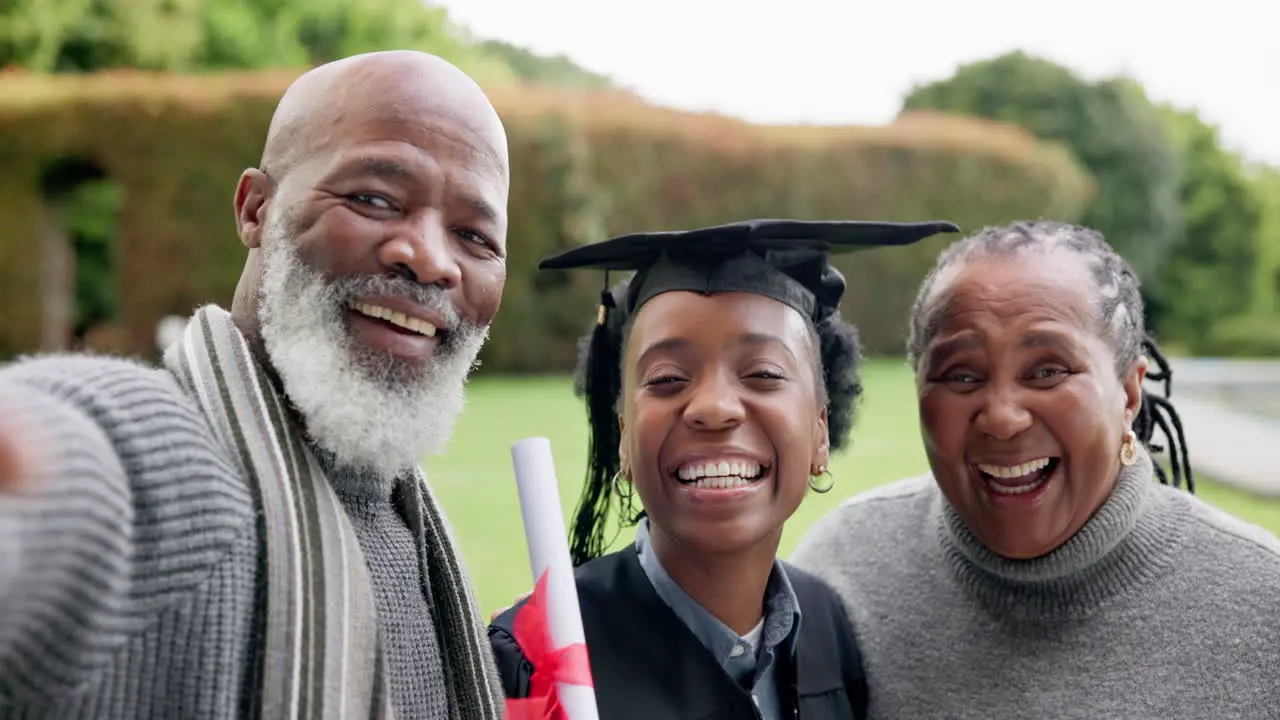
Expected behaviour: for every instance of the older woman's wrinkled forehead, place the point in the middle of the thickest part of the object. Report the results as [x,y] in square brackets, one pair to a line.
[1051,284]
[338,102]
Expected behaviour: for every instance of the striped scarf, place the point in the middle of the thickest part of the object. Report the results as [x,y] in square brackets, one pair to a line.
[321,655]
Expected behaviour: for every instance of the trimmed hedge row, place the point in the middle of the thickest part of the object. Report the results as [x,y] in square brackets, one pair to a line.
[584,166]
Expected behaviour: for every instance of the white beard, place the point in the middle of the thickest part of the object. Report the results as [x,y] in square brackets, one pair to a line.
[371,410]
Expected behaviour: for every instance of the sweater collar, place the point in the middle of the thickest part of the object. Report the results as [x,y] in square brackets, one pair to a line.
[1131,539]
[355,484]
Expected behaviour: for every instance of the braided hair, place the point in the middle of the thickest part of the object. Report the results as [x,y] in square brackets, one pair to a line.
[837,356]
[1119,312]
[1158,412]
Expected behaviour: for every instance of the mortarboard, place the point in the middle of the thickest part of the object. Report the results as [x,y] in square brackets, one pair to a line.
[787,260]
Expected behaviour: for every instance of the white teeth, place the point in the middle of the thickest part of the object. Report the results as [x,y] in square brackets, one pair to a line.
[422,327]
[719,475]
[1028,470]
[721,483]
[1016,471]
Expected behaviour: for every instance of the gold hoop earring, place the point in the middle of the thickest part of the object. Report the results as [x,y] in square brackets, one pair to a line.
[617,488]
[822,470]
[1129,450]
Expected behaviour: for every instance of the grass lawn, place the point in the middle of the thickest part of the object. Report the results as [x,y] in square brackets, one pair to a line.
[476,483]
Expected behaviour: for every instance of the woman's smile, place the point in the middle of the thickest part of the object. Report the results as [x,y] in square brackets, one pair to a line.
[1017,486]
[721,479]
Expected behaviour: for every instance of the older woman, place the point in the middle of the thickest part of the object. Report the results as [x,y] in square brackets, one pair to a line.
[1040,572]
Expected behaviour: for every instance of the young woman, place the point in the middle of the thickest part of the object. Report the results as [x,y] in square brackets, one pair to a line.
[1040,571]
[718,381]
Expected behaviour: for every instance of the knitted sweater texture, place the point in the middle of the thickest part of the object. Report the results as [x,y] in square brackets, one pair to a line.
[129,567]
[1159,607]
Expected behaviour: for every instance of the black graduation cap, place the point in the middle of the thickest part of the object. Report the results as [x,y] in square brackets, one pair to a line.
[787,260]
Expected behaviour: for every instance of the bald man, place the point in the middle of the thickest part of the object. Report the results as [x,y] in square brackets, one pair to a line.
[245,532]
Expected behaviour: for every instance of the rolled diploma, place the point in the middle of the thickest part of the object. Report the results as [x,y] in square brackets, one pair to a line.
[545,535]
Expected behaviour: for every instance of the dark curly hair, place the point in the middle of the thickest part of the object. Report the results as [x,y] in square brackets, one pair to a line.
[598,380]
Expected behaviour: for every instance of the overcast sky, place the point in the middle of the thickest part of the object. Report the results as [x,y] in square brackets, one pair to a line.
[851,61]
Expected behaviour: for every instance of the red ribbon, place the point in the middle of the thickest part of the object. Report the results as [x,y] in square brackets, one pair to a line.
[551,665]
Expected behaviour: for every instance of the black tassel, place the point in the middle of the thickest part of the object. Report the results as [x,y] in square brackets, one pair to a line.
[602,385]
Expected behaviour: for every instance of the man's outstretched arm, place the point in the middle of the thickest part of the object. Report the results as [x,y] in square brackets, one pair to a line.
[114,504]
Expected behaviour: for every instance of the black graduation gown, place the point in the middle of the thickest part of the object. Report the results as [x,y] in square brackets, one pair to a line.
[648,665]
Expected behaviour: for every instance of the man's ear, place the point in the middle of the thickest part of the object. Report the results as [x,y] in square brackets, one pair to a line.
[1133,389]
[252,194]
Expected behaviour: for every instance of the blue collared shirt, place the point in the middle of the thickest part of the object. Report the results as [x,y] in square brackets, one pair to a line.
[755,668]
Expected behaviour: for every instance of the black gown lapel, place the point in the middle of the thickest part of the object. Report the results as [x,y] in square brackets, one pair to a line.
[646,662]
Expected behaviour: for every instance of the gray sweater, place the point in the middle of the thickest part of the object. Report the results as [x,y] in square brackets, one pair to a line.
[128,571]
[1160,607]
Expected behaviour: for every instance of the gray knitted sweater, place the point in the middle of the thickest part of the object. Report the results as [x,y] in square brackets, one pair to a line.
[129,571]
[1160,607]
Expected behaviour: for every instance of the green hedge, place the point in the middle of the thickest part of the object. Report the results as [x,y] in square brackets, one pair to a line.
[583,166]
[1254,336]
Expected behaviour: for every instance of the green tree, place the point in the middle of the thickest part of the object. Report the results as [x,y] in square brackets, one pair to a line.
[1209,273]
[192,35]
[1110,126]
[84,35]
[1266,184]
[556,70]
[300,33]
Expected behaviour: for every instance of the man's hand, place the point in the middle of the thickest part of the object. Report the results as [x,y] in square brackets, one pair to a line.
[17,457]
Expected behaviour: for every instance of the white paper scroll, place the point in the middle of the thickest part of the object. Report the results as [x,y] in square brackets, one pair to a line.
[548,543]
